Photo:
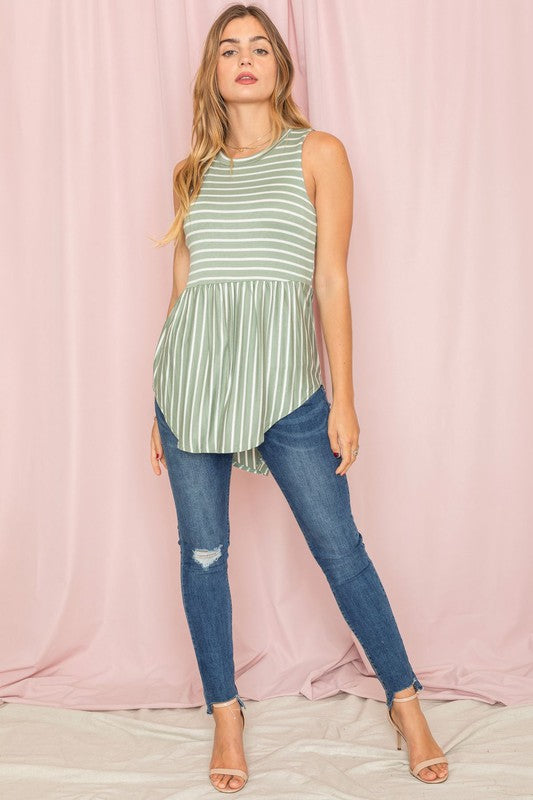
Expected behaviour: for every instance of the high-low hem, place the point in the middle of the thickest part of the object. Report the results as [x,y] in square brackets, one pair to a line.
[247,458]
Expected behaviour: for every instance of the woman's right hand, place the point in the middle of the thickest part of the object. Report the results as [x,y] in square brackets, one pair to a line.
[157,454]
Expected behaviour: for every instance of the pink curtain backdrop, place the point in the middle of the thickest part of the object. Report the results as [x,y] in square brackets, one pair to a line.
[433,102]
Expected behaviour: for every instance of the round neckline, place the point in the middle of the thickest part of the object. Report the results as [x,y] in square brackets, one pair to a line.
[260,153]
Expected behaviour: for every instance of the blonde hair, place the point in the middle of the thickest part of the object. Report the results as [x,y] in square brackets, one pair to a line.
[210,119]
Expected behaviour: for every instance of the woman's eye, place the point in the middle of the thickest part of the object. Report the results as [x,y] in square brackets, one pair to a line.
[262,49]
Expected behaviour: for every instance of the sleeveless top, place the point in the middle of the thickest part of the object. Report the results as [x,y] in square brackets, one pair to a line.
[238,350]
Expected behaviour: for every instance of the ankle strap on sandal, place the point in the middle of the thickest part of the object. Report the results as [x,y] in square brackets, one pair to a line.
[404,699]
[227,703]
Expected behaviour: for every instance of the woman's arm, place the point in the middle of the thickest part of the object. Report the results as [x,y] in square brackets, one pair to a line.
[334,207]
[333,202]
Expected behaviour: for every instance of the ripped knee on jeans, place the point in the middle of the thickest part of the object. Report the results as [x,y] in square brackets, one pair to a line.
[207,557]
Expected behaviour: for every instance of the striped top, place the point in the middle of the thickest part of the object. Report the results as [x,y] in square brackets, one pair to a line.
[238,350]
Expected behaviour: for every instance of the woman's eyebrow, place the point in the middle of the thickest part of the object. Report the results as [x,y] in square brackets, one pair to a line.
[236,41]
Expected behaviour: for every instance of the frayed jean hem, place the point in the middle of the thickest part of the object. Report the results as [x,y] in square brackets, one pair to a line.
[209,707]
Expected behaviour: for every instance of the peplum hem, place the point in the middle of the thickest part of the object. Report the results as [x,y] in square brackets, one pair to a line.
[232,358]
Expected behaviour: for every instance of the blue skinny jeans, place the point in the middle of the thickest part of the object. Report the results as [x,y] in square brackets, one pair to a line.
[297,451]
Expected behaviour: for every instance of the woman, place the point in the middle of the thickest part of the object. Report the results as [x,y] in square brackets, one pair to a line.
[236,372]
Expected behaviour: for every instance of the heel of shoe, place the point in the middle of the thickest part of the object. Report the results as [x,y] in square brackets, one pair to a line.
[399,734]
[396,728]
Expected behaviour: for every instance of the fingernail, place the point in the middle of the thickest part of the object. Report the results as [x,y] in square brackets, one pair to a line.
[336,454]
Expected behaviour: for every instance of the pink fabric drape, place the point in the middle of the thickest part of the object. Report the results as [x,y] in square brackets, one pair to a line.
[432,101]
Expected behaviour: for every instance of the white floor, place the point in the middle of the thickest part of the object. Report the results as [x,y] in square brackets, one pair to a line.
[338,748]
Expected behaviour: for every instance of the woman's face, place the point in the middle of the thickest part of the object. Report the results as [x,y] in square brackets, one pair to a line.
[246,53]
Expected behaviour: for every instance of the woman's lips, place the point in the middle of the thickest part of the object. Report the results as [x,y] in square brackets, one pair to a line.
[246,80]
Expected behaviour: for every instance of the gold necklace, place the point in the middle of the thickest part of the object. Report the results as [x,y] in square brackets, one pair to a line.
[250,146]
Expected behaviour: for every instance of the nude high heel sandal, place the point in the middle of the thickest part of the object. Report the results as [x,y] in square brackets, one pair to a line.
[422,764]
[226,770]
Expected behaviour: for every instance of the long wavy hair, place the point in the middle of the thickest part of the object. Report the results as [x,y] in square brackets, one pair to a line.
[210,118]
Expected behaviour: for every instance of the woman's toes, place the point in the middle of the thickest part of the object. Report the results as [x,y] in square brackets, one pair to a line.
[440,770]
[427,774]
[222,781]
[430,773]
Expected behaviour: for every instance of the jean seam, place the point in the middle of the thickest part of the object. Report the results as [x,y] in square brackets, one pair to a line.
[227,539]
[371,661]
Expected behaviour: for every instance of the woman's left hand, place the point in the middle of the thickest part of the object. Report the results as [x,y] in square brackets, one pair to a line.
[343,432]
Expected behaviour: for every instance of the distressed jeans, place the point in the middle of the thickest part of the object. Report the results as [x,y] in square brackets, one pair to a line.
[297,451]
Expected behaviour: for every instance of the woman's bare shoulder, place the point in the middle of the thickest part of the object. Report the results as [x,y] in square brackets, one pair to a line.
[326,158]
[322,145]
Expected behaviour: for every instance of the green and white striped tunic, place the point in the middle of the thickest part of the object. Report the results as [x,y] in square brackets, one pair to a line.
[238,350]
